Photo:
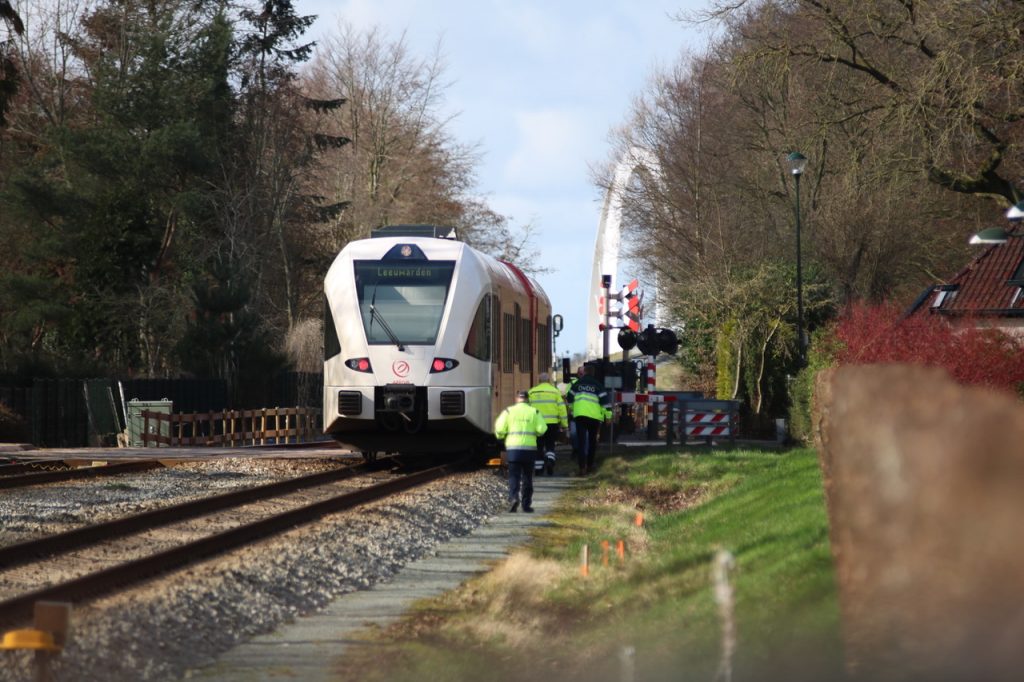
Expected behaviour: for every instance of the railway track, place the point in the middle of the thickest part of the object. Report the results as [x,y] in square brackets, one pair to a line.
[39,472]
[18,609]
[17,479]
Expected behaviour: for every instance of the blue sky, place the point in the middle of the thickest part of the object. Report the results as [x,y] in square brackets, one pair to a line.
[538,86]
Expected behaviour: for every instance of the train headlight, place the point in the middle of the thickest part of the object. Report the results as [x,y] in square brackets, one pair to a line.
[359,364]
[443,365]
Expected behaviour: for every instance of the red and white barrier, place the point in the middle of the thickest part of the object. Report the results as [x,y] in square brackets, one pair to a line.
[708,423]
[632,398]
[707,430]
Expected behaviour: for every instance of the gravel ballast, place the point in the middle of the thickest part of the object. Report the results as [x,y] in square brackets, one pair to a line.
[183,621]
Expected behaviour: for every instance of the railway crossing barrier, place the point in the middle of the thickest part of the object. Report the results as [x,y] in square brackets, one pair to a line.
[708,419]
[685,415]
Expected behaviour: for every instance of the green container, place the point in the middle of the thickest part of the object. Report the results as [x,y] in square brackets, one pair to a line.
[136,422]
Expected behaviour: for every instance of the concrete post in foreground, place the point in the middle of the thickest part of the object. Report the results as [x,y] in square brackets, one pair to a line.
[924,484]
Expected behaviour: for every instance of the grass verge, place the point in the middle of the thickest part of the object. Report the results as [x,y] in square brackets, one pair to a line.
[652,615]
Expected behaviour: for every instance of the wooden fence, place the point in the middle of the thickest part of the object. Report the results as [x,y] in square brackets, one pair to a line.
[228,428]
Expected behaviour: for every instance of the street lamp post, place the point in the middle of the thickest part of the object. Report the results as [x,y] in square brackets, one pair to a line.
[797,162]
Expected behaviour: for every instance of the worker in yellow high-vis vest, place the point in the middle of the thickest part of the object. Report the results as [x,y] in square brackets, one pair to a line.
[549,402]
[519,426]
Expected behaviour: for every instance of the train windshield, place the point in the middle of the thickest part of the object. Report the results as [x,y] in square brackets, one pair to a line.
[402,303]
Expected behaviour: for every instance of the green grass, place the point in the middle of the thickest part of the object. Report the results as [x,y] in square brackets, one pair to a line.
[537,618]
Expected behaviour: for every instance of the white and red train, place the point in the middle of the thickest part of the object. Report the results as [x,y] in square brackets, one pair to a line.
[426,340]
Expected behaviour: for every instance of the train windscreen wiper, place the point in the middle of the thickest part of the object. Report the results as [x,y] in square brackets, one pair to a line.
[385,326]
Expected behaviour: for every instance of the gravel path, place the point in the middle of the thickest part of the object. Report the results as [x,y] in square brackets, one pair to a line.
[160,630]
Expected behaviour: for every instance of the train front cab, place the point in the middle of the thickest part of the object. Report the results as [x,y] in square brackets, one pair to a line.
[442,390]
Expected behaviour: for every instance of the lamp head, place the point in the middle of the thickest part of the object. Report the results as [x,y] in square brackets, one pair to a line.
[797,163]
[1016,212]
[990,235]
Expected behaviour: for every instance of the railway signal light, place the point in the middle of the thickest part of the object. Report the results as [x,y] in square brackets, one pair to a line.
[668,342]
[652,341]
[647,342]
[627,339]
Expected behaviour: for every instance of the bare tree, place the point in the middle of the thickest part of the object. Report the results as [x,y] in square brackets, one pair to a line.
[403,165]
[946,74]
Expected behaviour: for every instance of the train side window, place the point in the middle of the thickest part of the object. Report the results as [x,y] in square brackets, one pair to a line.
[544,345]
[478,343]
[526,345]
[517,338]
[496,329]
[332,346]
[509,332]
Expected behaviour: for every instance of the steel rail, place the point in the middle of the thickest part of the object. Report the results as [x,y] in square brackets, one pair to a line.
[34,466]
[19,609]
[32,550]
[20,481]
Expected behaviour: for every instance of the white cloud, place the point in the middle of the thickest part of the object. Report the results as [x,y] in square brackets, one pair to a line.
[551,149]
[535,28]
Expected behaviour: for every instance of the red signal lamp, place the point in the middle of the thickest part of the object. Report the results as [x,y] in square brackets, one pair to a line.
[443,365]
[359,365]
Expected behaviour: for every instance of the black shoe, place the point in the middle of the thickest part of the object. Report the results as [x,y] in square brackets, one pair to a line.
[528,510]
[514,506]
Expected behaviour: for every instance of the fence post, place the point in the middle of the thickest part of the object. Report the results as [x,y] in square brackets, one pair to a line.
[670,423]
[652,421]
[733,425]
[724,563]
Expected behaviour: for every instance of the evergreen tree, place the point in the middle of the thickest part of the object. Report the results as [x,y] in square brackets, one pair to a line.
[116,191]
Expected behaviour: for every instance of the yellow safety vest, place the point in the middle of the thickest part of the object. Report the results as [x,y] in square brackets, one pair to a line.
[589,399]
[519,426]
[549,402]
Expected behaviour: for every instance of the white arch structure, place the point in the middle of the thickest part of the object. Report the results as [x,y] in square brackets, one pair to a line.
[608,248]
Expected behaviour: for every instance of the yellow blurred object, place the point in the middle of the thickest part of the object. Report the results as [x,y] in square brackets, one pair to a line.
[494,462]
[29,639]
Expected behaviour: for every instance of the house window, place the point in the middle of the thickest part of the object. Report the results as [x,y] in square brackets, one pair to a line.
[1018,274]
[1016,297]
[945,295]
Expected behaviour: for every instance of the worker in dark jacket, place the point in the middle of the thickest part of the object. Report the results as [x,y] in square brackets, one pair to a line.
[573,436]
[519,426]
[589,401]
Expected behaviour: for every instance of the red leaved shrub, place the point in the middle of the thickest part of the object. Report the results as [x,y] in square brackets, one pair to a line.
[972,355]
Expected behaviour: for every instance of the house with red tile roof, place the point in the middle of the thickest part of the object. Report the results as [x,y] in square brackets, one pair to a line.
[987,292]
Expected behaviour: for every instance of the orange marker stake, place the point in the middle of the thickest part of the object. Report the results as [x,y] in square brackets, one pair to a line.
[585,561]
[620,551]
[604,552]
[639,520]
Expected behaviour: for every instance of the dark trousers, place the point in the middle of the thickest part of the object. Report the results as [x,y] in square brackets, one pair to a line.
[546,443]
[586,435]
[520,473]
